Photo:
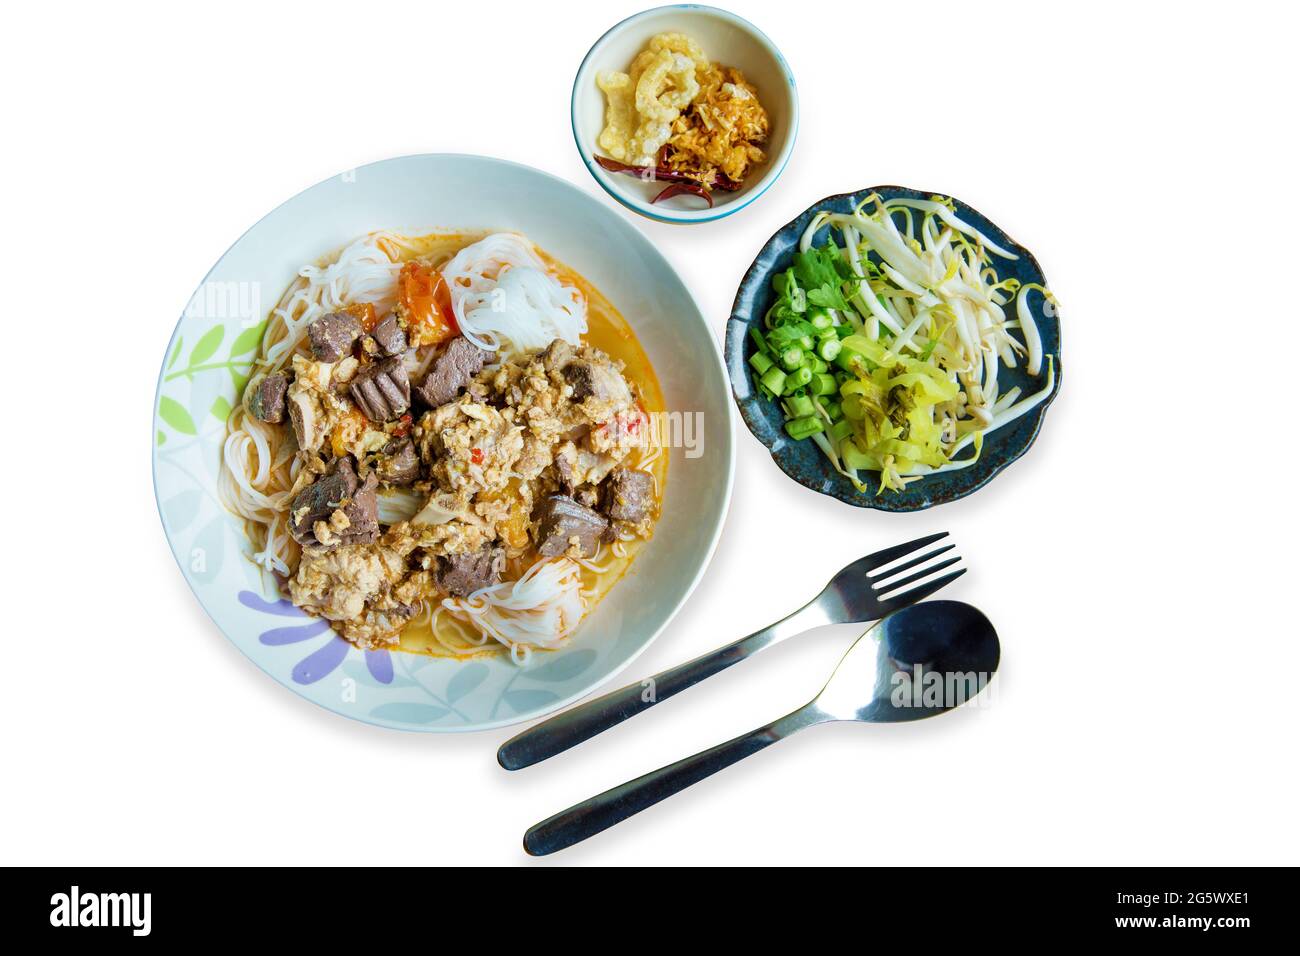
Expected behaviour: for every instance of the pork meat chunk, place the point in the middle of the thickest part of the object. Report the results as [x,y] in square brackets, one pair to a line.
[331,336]
[459,362]
[336,509]
[388,336]
[382,390]
[265,397]
[463,574]
[566,527]
[399,464]
[629,495]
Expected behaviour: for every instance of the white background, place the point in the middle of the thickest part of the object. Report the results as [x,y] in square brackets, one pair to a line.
[1138,563]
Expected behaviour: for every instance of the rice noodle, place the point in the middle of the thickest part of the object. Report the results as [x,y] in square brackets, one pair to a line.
[540,609]
[362,272]
[258,458]
[506,301]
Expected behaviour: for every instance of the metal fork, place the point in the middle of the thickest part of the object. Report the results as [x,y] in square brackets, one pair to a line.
[852,596]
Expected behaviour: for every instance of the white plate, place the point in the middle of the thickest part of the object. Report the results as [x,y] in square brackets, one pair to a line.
[213,343]
[725,38]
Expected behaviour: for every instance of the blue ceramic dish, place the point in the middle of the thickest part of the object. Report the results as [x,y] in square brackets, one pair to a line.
[802,460]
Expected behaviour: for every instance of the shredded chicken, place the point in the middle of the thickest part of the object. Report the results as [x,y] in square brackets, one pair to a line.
[553,423]
[344,584]
[470,446]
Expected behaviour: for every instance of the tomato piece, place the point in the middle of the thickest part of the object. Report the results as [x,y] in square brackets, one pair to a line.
[415,289]
[476,455]
[423,293]
[363,312]
[349,428]
[442,296]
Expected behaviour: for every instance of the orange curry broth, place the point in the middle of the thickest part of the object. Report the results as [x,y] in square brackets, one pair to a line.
[608,331]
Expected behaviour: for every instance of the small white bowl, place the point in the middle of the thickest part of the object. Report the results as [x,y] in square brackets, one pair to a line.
[725,38]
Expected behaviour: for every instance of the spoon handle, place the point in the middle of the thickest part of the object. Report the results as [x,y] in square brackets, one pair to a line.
[585,721]
[601,812]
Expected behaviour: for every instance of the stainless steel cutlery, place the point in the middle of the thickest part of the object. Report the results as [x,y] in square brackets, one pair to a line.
[866,590]
[887,676]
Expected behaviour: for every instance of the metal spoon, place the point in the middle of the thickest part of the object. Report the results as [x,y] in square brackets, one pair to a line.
[854,595]
[918,662]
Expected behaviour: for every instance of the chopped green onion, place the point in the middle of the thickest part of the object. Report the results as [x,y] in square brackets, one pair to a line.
[783,282]
[792,358]
[760,363]
[773,380]
[801,428]
[823,384]
[800,406]
[797,379]
[828,349]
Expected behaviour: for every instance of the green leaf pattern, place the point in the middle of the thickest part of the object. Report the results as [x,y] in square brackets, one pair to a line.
[247,340]
[174,414]
[206,396]
[208,345]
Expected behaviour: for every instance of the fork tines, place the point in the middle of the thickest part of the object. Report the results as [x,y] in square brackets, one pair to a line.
[888,582]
